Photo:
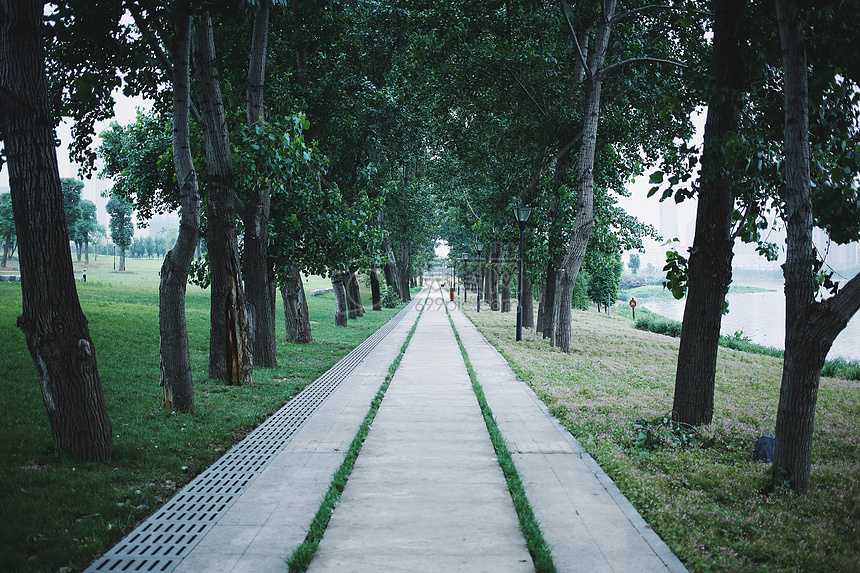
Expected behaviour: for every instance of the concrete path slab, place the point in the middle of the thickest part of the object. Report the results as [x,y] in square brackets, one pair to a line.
[263,527]
[426,493]
[585,519]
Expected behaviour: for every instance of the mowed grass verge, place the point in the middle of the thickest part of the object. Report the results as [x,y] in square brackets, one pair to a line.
[707,501]
[57,513]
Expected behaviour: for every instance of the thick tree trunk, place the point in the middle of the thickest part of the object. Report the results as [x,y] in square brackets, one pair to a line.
[810,327]
[87,251]
[528,303]
[404,268]
[341,313]
[353,297]
[541,316]
[230,358]
[52,321]
[176,378]
[375,293]
[710,265]
[297,322]
[255,216]
[122,260]
[256,281]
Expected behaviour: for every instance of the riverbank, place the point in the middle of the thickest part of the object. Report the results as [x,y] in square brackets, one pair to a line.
[708,500]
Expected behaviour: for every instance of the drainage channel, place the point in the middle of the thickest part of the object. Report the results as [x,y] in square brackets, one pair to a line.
[165,538]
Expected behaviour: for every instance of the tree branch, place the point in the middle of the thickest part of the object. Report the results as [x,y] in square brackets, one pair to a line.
[636,60]
[157,48]
[579,52]
[537,105]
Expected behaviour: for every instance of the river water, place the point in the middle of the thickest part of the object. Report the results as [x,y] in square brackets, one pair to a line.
[761,317]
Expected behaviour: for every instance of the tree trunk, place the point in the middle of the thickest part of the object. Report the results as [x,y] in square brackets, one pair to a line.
[539,323]
[230,358]
[549,289]
[6,244]
[506,278]
[87,251]
[122,260]
[176,375]
[584,221]
[353,297]
[297,322]
[255,215]
[341,313]
[495,275]
[710,265]
[404,268]
[52,321]
[375,293]
[528,303]
[810,327]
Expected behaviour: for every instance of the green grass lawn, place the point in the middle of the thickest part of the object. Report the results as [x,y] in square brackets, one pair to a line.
[708,501]
[58,513]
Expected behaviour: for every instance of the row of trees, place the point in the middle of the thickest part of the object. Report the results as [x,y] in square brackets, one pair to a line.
[336,137]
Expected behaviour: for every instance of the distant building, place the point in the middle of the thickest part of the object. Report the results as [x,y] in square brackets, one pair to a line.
[668,219]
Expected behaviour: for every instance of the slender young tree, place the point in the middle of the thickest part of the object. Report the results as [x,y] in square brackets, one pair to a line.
[176,380]
[52,321]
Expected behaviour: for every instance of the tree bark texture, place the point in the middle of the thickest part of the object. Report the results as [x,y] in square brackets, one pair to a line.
[404,268]
[353,297]
[176,377]
[52,321]
[341,313]
[510,255]
[528,303]
[230,358]
[584,221]
[255,215]
[539,323]
[710,263]
[811,327]
[297,322]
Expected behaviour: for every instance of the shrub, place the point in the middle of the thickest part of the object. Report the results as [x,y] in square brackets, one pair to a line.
[390,298]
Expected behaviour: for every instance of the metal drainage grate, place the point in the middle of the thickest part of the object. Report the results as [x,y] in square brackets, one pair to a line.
[168,536]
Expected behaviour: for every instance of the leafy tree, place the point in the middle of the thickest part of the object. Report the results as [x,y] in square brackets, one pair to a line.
[121,226]
[634,263]
[72,203]
[52,321]
[7,226]
[604,280]
[87,225]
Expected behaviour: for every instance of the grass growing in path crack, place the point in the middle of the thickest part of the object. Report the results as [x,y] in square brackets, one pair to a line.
[535,542]
[300,560]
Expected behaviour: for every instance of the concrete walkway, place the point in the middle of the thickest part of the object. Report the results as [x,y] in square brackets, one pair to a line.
[427,493]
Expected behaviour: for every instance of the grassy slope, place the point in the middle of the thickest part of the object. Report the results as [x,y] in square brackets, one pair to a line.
[706,502]
[60,513]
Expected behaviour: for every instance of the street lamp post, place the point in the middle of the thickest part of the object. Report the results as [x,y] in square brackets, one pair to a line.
[479,246]
[522,215]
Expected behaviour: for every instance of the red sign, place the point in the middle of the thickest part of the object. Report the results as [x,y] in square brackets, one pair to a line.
[632,303]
